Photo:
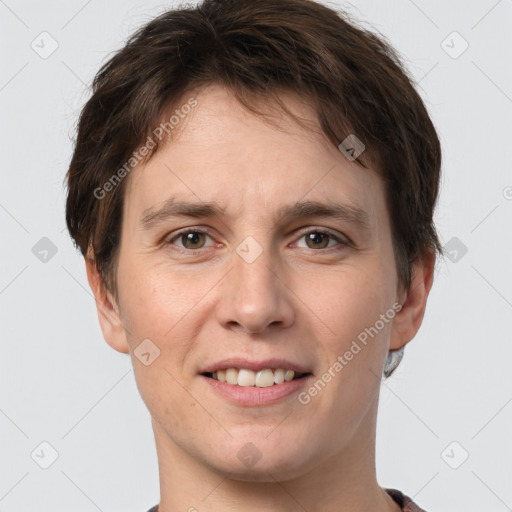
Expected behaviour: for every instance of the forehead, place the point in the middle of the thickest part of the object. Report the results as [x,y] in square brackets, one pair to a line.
[222,152]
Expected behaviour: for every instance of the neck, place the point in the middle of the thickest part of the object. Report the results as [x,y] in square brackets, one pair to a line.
[344,481]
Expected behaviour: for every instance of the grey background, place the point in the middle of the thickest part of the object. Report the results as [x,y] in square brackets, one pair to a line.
[62,384]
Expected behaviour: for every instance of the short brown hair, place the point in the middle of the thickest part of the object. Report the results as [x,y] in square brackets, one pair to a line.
[353,78]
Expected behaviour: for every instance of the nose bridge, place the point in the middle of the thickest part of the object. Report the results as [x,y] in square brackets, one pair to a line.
[255,297]
[253,267]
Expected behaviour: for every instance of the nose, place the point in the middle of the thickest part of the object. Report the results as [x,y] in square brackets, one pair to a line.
[254,295]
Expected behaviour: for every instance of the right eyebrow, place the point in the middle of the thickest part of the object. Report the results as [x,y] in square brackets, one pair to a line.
[172,208]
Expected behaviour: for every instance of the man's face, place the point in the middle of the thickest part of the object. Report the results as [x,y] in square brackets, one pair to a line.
[237,289]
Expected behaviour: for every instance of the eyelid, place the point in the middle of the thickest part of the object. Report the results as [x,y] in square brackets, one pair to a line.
[176,235]
[320,229]
[341,239]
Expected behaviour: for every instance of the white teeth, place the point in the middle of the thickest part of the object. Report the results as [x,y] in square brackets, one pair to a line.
[264,378]
[248,378]
[279,376]
[232,376]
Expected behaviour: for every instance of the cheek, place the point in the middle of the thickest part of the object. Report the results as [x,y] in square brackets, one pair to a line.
[348,300]
[157,306]
[156,298]
[353,348]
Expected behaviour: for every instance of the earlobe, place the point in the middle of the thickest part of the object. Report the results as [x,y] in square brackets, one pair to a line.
[108,311]
[408,320]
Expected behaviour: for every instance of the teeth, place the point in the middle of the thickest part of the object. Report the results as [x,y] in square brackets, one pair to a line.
[279,376]
[232,376]
[264,378]
[248,378]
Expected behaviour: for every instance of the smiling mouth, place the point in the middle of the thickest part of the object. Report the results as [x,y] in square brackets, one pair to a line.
[259,379]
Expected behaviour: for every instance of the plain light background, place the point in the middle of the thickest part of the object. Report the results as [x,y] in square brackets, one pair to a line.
[445,415]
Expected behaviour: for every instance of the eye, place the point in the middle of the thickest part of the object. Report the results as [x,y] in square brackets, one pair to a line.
[191,239]
[320,239]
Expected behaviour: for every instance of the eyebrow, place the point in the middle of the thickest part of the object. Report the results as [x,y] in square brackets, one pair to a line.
[301,209]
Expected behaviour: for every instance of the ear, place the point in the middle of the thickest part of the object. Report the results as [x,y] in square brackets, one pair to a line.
[108,311]
[414,301]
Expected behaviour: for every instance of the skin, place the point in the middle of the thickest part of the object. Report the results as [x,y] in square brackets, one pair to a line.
[298,301]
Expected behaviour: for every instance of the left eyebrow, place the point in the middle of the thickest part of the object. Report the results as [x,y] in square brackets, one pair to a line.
[304,209]
[343,212]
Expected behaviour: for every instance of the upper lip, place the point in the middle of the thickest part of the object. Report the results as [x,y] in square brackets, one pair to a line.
[251,364]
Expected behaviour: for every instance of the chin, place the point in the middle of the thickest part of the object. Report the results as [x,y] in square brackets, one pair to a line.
[249,463]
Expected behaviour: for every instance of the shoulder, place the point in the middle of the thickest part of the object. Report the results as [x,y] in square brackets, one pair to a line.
[404,501]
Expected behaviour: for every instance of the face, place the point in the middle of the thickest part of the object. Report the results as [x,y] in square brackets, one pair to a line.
[249,247]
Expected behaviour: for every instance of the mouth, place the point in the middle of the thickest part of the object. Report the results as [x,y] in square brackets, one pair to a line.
[264,378]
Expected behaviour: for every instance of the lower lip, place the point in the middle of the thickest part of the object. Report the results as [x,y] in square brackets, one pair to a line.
[254,396]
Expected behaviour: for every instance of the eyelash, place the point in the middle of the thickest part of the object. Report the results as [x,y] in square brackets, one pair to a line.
[342,243]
